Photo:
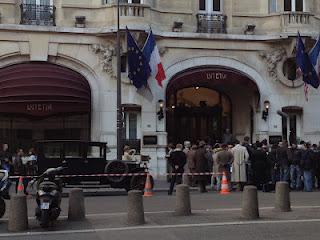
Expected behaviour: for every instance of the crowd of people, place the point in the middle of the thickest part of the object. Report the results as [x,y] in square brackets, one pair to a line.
[18,163]
[243,163]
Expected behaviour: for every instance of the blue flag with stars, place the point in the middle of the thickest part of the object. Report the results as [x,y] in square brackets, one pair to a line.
[139,70]
[304,65]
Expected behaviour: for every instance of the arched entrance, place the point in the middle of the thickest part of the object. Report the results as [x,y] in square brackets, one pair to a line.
[43,101]
[203,102]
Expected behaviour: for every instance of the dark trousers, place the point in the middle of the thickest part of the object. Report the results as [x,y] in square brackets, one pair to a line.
[202,185]
[174,179]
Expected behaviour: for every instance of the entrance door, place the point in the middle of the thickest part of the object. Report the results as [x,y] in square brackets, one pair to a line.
[197,114]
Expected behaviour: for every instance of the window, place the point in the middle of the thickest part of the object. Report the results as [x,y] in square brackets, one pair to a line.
[293,5]
[132,1]
[38,12]
[131,125]
[272,6]
[123,63]
[210,5]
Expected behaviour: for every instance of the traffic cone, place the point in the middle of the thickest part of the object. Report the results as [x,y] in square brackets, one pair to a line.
[224,185]
[20,188]
[148,187]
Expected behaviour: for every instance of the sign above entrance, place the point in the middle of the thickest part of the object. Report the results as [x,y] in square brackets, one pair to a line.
[216,76]
[39,108]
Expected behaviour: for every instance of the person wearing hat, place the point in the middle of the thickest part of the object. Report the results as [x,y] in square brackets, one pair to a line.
[201,166]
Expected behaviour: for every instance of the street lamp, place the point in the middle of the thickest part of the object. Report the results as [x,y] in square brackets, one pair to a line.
[160,112]
[119,109]
[265,112]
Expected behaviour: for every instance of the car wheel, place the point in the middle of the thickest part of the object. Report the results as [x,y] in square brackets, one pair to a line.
[116,167]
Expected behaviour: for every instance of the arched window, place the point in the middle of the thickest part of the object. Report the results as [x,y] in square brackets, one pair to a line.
[294,5]
[210,5]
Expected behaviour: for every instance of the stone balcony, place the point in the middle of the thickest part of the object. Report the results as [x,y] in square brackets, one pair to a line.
[211,23]
[132,10]
[294,21]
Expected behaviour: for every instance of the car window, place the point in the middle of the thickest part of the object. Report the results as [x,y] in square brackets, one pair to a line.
[94,152]
[72,150]
[52,150]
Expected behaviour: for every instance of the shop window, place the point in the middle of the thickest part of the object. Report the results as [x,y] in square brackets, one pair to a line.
[210,5]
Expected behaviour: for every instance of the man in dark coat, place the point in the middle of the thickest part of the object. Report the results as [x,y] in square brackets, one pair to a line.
[295,157]
[259,166]
[177,161]
[201,166]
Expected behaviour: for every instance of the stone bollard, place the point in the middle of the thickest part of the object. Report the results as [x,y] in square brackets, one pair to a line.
[18,214]
[183,205]
[135,208]
[282,201]
[250,206]
[76,211]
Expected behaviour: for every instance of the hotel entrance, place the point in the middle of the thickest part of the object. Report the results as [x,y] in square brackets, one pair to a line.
[43,101]
[202,103]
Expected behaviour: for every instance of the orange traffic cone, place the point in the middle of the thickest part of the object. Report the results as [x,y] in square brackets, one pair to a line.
[224,185]
[20,188]
[148,187]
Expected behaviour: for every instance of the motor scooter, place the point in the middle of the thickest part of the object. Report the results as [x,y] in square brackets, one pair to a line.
[48,196]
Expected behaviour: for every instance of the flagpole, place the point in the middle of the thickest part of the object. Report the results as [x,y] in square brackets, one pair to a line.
[119,109]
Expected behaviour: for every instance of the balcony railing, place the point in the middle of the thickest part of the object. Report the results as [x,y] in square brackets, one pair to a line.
[34,14]
[296,18]
[211,23]
[132,10]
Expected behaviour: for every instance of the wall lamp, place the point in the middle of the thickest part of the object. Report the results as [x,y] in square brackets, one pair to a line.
[265,112]
[161,107]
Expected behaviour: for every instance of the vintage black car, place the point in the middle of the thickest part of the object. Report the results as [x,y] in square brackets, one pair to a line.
[89,158]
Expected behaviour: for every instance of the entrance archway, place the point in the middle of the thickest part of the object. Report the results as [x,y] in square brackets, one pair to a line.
[203,102]
[43,101]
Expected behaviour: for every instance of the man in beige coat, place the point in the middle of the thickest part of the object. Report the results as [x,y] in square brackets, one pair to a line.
[240,156]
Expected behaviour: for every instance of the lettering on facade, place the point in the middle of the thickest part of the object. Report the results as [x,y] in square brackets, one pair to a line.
[216,76]
[39,107]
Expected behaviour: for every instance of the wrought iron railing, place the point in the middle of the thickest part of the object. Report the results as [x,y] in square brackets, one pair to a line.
[35,14]
[296,18]
[132,10]
[211,23]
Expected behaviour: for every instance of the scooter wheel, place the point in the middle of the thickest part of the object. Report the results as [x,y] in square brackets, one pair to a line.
[2,207]
[44,218]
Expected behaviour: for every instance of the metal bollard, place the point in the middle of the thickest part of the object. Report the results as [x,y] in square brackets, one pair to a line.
[282,201]
[183,205]
[18,214]
[250,205]
[135,208]
[76,210]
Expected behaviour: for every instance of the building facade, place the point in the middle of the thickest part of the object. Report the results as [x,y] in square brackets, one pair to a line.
[229,64]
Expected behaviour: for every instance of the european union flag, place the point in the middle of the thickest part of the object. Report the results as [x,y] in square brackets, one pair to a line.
[139,70]
[304,65]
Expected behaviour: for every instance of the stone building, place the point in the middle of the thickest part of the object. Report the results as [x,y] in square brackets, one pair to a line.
[229,65]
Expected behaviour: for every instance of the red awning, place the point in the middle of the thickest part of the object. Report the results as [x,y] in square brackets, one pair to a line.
[43,89]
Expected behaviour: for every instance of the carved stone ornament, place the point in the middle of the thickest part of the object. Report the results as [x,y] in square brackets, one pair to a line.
[273,58]
[163,50]
[106,56]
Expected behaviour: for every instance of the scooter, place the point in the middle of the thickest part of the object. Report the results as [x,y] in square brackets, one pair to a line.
[48,196]
[4,190]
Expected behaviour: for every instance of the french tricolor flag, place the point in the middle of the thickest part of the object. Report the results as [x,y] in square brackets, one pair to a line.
[151,53]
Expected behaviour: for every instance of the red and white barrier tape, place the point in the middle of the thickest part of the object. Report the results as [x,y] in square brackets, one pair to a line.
[124,175]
